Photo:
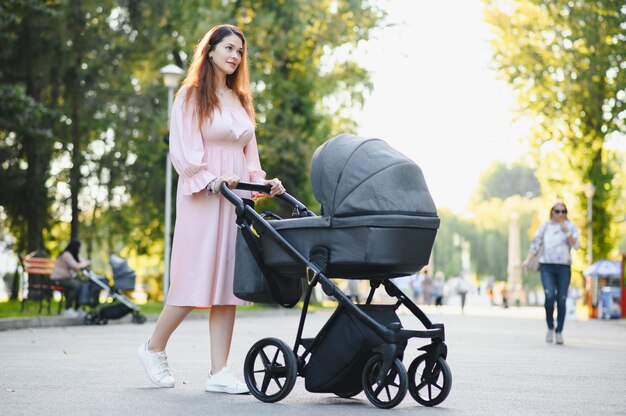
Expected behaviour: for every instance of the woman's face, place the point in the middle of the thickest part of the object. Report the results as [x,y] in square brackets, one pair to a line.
[559,212]
[227,54]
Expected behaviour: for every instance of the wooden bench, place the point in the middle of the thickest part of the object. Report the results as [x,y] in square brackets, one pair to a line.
[37,283]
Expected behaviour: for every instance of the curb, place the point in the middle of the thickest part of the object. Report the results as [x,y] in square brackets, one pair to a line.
[8,324]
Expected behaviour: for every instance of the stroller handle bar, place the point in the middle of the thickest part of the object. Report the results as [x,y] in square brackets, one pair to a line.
[299,208]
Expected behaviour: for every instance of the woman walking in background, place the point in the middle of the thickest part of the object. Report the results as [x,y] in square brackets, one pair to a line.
[552,244]
[212,141]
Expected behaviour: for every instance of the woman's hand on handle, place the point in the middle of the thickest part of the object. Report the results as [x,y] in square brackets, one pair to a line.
[277,187]
[230,179]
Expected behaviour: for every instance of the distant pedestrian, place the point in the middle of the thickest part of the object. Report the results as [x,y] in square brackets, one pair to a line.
[353,290]
[463,286]
[416,286]
[505,296]
[552,244]
[438,285]
[489,290]
[427,289]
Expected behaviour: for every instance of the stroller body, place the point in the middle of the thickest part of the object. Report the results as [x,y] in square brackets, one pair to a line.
[378,222]
[120,305]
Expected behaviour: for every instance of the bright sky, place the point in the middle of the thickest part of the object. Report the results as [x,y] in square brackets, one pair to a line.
[435,97]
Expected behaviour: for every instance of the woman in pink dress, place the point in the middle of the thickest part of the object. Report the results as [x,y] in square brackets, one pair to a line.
[212,141]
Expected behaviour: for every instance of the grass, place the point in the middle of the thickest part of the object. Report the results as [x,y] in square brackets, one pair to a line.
[12,309]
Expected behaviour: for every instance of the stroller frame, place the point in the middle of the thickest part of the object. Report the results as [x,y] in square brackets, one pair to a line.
[92,318]
[384,371]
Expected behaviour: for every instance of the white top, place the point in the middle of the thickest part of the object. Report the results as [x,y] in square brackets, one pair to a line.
[554,242]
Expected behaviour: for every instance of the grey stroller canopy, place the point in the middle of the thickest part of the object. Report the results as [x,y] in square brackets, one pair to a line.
[355,176]
[378,218]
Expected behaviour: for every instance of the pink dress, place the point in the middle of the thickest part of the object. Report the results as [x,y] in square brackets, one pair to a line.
[203,249]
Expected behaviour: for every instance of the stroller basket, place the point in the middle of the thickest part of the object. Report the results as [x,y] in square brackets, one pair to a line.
[256,283]
[343,347]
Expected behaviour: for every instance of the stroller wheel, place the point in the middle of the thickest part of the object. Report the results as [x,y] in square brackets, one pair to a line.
[138,318]
[90,318]
[270,370]
[432,388]
[390,392]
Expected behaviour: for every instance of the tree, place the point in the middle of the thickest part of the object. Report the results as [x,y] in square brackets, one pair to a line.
[502,181]
[78,63]
[564,59]
[26,135]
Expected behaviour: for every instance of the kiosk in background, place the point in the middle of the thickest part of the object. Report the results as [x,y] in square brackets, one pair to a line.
[606,288]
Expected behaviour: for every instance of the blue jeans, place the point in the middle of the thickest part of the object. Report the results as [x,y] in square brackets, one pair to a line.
[555,279]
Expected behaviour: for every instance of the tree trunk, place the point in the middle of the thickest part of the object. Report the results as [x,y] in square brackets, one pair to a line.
[75,97]
[37,156]
[75,175]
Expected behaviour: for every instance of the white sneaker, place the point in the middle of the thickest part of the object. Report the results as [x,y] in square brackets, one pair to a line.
[155,364]
[559,338]
[225,382]
[550,336]
[70,313]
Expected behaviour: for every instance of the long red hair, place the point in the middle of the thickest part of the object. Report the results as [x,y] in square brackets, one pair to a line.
[201,79]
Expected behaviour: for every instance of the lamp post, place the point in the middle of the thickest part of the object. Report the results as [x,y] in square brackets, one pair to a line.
[589,191]
[171,76]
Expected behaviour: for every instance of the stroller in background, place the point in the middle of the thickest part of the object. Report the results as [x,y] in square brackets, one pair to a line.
[378,222]
[121,305]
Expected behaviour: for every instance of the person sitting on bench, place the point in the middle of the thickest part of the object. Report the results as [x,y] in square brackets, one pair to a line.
[66,268]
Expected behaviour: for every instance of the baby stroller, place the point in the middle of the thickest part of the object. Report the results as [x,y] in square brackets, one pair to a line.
[378,222]
[123,279]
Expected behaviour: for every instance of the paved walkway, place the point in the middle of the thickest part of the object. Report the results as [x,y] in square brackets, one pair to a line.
[499,361]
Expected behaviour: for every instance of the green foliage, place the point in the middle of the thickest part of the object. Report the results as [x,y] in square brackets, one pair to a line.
[446,251]
[565,61]
[77,62]
[20,115]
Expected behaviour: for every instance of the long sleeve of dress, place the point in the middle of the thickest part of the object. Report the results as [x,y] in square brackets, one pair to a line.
[257,175]
[187,147]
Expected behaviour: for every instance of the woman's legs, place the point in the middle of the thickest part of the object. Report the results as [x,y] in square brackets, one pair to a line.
[170,318]
[152,353]
[221,324]
[548,279]
[72,291]
[221,379]
[563,277]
